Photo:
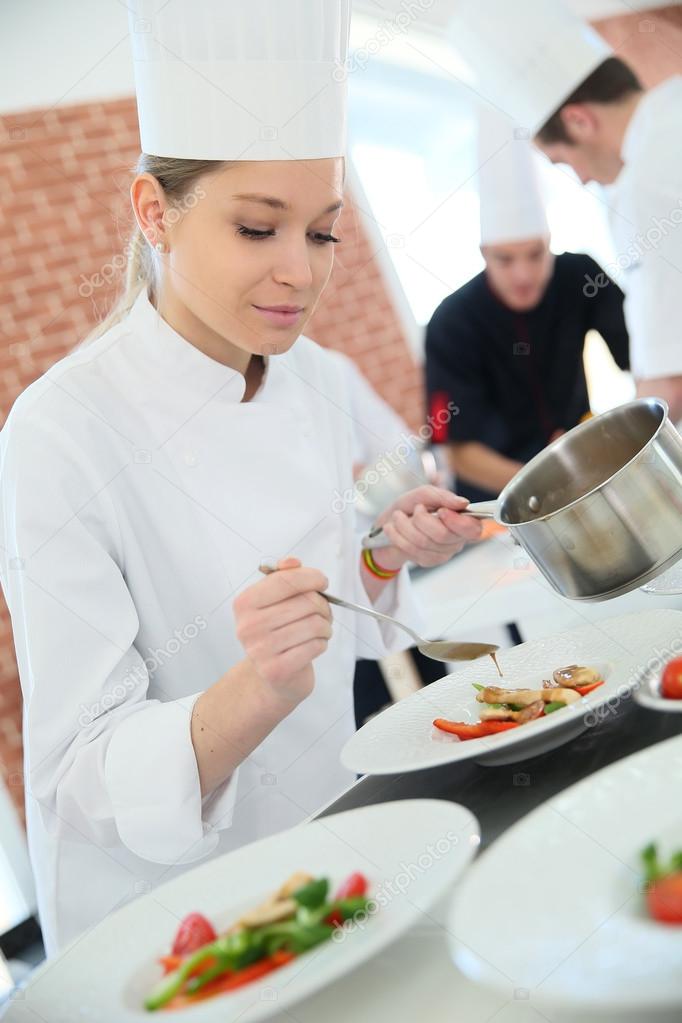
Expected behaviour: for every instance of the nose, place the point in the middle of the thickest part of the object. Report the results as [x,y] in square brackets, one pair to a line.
[294,266]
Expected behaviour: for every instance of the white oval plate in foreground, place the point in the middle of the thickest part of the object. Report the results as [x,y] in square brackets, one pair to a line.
[411,851]
[402,738]
[554,907]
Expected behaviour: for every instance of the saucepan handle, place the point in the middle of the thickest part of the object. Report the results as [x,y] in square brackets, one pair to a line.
[483,510]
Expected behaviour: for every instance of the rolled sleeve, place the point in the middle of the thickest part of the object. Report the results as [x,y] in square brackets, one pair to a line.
[152,779]
[108,762]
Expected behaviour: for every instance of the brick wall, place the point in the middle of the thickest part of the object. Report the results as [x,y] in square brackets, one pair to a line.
[65,213]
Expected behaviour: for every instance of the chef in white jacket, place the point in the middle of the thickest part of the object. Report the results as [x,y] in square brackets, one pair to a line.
[562,84]
[177,703]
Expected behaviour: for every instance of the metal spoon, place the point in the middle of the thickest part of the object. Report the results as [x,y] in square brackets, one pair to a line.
[438,650]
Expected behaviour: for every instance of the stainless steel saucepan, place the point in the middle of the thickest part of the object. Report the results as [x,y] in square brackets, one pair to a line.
[599,510]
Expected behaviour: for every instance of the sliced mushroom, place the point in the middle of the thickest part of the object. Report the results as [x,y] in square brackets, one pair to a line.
[293,883]
[576,675]
[525,697]
[279,906]
[269,913]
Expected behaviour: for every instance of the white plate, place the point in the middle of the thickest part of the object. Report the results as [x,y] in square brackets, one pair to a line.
[554,908]
[403,738]
[411,851]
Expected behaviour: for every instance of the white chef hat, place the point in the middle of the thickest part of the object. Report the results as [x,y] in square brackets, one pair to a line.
[241,79]
[511,201]
[527,56]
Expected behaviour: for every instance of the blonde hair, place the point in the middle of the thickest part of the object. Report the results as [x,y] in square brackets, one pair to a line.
[177,178]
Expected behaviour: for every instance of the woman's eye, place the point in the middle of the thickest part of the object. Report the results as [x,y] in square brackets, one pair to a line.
[318,237]
[252,232]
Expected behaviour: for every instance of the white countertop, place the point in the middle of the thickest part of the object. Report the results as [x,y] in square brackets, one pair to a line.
[494,582]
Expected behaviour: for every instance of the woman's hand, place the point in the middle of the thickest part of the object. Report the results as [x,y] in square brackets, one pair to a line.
[284,624]
[419,536]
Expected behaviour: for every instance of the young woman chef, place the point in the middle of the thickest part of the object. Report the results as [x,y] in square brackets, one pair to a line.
[177,702]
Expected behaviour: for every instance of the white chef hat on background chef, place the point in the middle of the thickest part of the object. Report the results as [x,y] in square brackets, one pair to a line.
[512,205]
[527,56]
[241,79]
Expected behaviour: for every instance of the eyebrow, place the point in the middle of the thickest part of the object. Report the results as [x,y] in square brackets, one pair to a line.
[279,204]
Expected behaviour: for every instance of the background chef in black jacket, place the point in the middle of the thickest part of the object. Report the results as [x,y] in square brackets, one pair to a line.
[507,347]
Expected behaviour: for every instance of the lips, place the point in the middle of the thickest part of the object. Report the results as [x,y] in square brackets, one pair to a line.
[280,315]
[280,308]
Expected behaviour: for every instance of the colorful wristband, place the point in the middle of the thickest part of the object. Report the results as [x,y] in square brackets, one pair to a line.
[371,566]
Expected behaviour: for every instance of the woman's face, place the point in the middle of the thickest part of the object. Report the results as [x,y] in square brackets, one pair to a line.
[257,236]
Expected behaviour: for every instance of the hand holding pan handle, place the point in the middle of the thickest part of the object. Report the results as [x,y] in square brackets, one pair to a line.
[480,510]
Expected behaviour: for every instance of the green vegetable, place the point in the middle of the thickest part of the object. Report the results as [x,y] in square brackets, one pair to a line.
[349,907]
[554,705]
[293,935]
[654,870]
[247,945]
[308,937]
[232,952]
[221,965]
[313,894]
[172,982]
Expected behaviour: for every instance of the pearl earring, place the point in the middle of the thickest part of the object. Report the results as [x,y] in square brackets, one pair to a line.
[160,247]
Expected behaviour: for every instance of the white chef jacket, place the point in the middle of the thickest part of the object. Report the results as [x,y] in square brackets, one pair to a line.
[379,430]
[139,495]
[646,220]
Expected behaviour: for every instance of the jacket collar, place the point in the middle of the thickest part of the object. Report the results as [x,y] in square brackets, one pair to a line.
[172,355]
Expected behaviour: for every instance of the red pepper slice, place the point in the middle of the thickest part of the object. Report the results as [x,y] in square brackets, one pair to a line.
[464,730]
[231,981]
[172,962]
[584,690]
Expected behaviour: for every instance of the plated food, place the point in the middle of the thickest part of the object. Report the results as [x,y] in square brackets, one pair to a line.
[402,737]
[661,689]
[298,916]
[596,944]
[109,976]
[663,885]
[503,708]
[671,680]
